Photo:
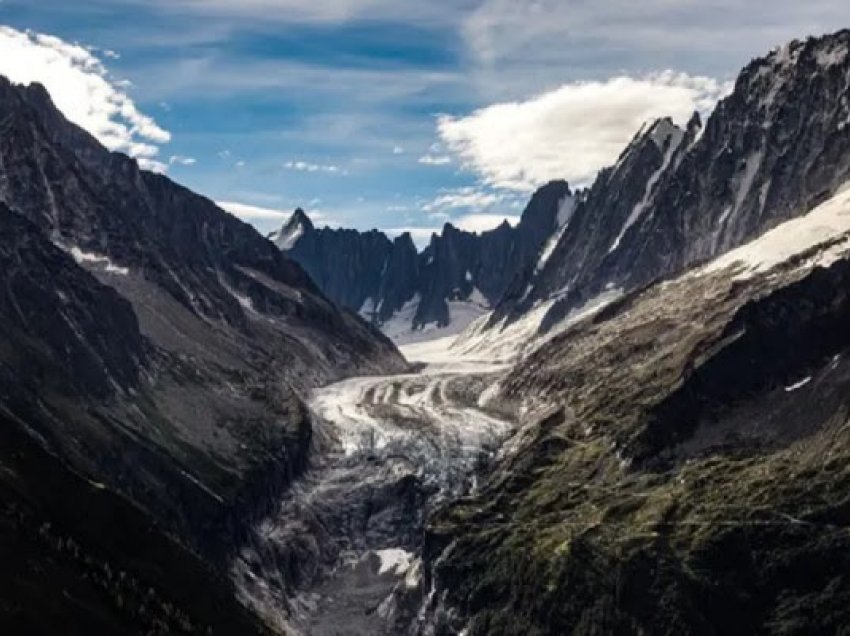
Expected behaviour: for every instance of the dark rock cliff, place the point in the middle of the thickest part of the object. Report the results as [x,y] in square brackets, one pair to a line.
[772,150]
[152,351]
[369,273]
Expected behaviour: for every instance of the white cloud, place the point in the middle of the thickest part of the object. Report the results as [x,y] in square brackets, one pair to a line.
[304,166]
[483,222]
[571,132]
[528,36]
[466,197]
[435,160]
[83,90]
[247,212]
[181,160]
[398,150]
[326,11]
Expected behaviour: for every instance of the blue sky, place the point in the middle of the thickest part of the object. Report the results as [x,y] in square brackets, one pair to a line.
[399,114]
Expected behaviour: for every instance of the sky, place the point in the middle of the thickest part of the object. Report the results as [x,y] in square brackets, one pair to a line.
[395,114]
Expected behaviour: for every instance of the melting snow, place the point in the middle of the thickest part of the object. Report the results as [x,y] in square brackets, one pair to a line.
[243,300]
[489,394]
[505,342]
[394,561]
[827,223]
[565,215]
[368,308]
[97,259]
[798,385]
[835,56]
[286,241]
[462,313]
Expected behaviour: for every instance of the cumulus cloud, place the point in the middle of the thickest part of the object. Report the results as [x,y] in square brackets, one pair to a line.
[304,166]
[571,132]
[84,91]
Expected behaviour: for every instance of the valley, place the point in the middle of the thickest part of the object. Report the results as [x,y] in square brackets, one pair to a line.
[624,411]
[389,451]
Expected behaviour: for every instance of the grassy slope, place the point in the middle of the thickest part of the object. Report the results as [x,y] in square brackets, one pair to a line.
[677,488]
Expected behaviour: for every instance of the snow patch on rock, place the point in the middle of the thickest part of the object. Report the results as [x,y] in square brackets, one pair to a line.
[90,258]
[394,561]
[827,225]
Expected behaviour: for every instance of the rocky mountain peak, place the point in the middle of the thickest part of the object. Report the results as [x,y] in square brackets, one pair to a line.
[778,145]
[694,124]
[151,346]
[300,217]
[297,225]
[456,278]
[405,239]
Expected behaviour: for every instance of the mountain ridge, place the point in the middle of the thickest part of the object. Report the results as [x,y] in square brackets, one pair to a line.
[722,184]
[389,281]
[156,348]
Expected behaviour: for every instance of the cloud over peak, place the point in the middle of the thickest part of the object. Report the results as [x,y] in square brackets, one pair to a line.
[571,132]
[84,91]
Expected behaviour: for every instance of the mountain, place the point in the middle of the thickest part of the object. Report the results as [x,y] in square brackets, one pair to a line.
[772,150]
[153,350]
[351,267]
[297,226]
[456,278]
[681,459]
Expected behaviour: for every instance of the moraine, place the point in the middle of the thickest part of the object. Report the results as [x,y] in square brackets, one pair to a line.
[341,554]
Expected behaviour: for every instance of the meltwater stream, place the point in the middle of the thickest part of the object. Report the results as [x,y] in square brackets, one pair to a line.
[344,545]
